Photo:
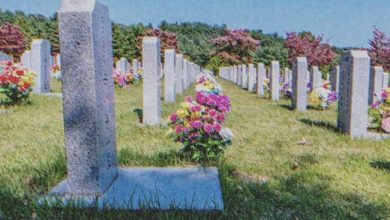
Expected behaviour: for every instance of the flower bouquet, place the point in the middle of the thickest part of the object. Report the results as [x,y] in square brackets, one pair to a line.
[198,123]
[56,72]
[379,113]
[15,83]
[321,98]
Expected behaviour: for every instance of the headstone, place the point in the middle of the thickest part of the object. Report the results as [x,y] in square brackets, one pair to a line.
[376,84]
[299,97]
[123,65]
[260,79]
[5,57]
[169,71]
[151,59]
[274,80]
[251,78]
[244,76]
[40,63]
[88,97]
[315,78]
[179,73]
[235,74]
[25,59]
[185,73]
[135,66]
[354,82]
[58,59]
[334,79]
[239,76]
[286,76]
[385,81]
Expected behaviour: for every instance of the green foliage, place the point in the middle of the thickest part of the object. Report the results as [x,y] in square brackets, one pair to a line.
[214,63]
[194,39]
[125,40]
[272,48]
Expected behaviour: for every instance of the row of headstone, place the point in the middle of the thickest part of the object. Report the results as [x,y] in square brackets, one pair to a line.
[356,84]
[252,78]
[179,74]
[93,176]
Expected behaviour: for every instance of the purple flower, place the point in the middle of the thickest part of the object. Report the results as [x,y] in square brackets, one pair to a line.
[173,118]
[208,128]
[197,124]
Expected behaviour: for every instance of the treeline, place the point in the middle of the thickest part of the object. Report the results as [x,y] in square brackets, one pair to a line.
[206,45]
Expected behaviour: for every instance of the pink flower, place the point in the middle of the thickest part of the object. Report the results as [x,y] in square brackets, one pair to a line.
[196,108]
[189,99]
[386,125]
[173,118]
[197,124]
[208,128]
[213,113]
[178,129]
[217,127]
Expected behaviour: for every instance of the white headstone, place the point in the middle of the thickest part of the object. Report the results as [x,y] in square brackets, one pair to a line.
[169,79]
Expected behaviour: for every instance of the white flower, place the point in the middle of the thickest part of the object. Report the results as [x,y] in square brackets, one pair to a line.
[226,134]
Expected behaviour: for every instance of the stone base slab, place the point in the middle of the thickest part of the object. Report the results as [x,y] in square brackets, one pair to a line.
[191,188]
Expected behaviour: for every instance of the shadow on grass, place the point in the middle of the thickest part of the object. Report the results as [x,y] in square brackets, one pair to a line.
[381,165]
[286,106]
[321,124]
[300,195]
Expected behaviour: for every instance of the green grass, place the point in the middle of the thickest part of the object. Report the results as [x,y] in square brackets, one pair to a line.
[312,171]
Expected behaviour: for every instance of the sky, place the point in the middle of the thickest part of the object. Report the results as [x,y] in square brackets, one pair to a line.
[342,22]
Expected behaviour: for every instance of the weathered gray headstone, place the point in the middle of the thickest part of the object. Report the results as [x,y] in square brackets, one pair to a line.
[151,59]
[88,97]
[335,79]
[58,59]
[244,76]
[353,100]
[376,84]
[385,81]
[179,73]
[274,80]
[135,66]
[123,65]
[40,63]
[239,75]
[315,78]
[185,73]
[169,80]
[5,57]
[251,78]
[25,59]
[260,79]
[299,96]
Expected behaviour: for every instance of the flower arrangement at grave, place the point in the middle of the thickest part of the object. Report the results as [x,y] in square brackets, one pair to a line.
[198,123]
[15,83]
[124,80]
[56,72]
[286,89]
[322,97]
[379,113]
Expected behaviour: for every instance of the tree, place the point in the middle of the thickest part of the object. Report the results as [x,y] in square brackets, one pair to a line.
[236,46]
[317,52]
[272,48]
[168,40]
[380,49]
[11,40]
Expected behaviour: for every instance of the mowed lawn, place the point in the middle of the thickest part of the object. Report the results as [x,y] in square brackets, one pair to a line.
[281,165]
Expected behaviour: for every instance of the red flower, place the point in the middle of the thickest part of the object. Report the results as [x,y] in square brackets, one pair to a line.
[20,72]
[13,79]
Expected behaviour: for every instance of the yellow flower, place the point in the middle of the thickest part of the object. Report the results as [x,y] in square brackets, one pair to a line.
[185,105]
[182,113]
[195,115]
[314,99]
